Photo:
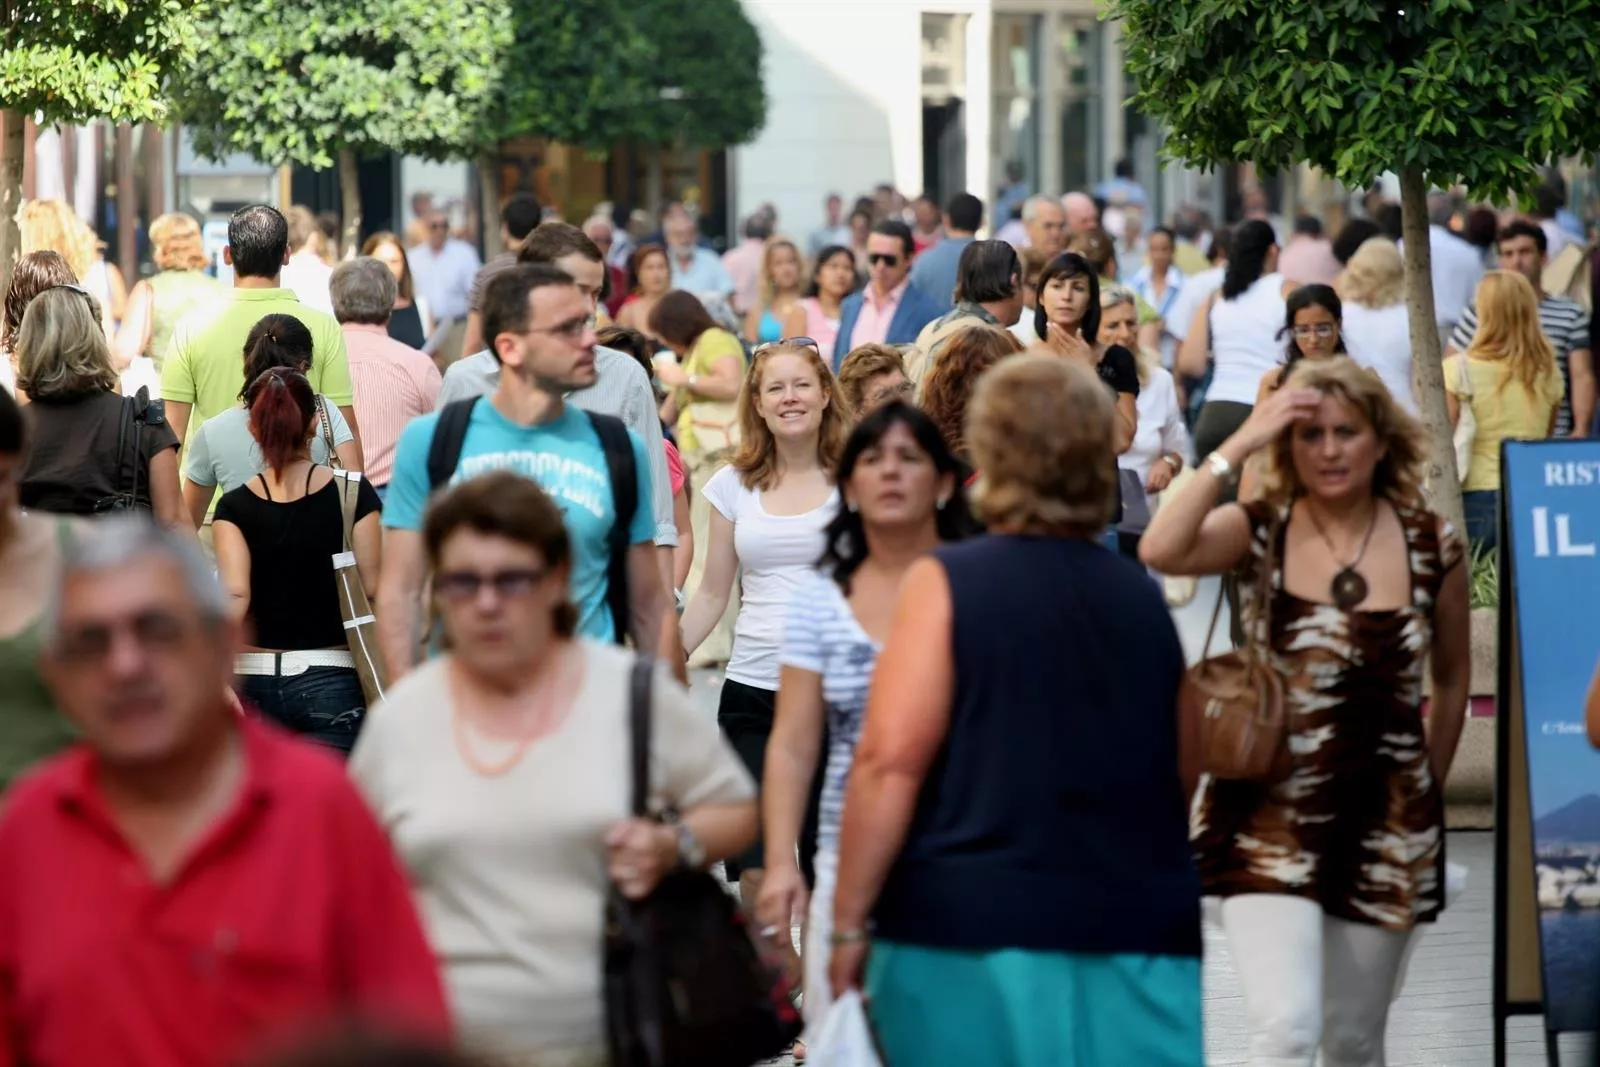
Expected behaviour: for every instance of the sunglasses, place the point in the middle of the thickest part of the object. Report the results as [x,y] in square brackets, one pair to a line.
[885,258]
[463,587]
[789,342]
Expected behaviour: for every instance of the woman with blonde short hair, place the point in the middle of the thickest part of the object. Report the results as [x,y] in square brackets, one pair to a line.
[1037,655]
[179,285]
[1376,327]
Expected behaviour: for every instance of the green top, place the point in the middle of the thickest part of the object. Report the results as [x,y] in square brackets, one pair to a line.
[173,294]
[30,727]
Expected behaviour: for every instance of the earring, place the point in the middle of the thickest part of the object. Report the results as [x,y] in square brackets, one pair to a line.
[851,507]
[942,502]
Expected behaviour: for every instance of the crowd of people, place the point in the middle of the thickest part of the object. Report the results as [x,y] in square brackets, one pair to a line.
[908,487]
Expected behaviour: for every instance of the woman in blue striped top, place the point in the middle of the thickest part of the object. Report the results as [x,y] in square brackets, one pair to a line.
[903,496]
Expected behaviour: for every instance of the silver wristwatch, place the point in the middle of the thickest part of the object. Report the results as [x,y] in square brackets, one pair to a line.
[691,853]
[1219,464]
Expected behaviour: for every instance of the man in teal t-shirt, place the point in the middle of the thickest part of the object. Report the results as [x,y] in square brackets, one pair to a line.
[536,322]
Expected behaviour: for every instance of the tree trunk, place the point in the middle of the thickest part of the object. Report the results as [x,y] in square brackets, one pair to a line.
[350,203]
[1427,374]
[11,149]
[489,203]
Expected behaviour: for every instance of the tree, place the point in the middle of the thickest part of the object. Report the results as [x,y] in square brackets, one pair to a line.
[319,82]
[1445,92]
[705,87]
[76,62]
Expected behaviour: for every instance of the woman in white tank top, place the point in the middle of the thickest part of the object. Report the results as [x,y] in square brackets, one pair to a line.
[1239,330]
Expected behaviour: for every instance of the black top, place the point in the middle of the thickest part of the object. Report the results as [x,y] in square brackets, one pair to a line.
[1052,818]
[294,602]
[405,326]
[73,467]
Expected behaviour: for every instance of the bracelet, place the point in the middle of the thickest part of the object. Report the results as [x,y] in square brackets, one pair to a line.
[1219,464]
[848,937]
[1171,459]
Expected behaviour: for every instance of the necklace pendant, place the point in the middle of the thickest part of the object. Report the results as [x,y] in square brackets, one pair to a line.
[1349,589]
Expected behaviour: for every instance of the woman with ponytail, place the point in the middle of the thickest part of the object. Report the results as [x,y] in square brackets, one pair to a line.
[1237,331]
[276,537]
[223,454]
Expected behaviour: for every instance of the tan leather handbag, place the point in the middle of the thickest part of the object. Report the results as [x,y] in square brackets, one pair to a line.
[360,624]
[1236,699]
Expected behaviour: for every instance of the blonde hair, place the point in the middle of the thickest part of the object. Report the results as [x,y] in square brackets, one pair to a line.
[1375,277]
[51,225]
[757,457]
[1039,428]
[1404,443]
[1114,295]
[769,291]
[61,349]
[176,243]
[862,364]
[1508,329]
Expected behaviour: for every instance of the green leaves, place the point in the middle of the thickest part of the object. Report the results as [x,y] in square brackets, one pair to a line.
[1482,97]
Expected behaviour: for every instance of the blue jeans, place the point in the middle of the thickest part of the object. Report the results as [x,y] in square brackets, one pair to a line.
[325,704]
[1482,507]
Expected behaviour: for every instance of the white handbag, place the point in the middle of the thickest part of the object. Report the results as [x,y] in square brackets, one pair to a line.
[1466,421]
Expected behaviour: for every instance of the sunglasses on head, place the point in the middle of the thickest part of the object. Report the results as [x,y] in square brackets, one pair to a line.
[886,258]
[789,342]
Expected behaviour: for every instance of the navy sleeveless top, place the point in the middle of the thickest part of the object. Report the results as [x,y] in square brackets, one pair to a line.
[1053,818]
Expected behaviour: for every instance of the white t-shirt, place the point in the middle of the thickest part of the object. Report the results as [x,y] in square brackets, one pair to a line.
[1380,338]
[1244,340]
[775,553]
[1160,428]
[510,871]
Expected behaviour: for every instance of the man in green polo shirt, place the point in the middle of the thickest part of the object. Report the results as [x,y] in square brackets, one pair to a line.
[203,373]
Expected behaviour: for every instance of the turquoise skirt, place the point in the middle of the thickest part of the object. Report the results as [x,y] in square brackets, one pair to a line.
[1015,1008]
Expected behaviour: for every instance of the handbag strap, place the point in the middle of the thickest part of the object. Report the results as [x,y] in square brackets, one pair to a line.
[1264,589]
[641,682]
[1463,378]
[327,433]
[348,490]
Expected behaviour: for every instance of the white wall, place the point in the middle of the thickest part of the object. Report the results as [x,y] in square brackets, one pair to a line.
[844,104]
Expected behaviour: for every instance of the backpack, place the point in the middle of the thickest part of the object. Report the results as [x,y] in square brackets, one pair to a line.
[444,455]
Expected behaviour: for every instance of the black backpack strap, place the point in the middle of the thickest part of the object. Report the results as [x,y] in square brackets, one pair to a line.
[640,695]
[624,474]
[449,433]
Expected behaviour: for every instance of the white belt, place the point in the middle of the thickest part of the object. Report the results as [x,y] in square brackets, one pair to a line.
[289,664]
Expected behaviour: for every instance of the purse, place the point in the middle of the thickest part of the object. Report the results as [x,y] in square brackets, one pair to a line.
[360,624]
[716,425]
[686,985]
[138,411]
[1466,421]
[1236,699]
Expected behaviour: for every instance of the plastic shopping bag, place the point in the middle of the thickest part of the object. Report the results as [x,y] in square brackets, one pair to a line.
[844,1039]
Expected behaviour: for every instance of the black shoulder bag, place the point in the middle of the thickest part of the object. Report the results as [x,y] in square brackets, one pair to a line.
[137,411]
[685,984]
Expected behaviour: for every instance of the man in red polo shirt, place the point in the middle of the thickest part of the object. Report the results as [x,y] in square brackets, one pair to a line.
[184,884]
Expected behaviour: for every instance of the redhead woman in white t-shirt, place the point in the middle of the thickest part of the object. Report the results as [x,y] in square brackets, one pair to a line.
[769,509]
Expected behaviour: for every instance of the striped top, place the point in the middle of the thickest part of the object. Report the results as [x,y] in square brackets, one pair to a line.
[823,637]
[1566,327]
[394,383]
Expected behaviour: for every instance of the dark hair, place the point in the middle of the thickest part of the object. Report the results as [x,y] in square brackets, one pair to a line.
[275,341]
[1095,246]
[861,213]
[505,298]
[1392,220]
[33,274]
[1166,231]
[965,212]
[405,290]
[637,259]
[1480,227]
[1306,296]
[13,430]
[1355,233]
[822,259]
[1549,198]
[521,216]
[988,271]
[503,504]
[1221,244]
[898,229]
[258,237]
[845,546]
[679,318]
[556,240]
[282,407]
[760,225]
[1247,257]
[1070,265]
[1123,168]
[1308,226]
[1523,228]
[631,342]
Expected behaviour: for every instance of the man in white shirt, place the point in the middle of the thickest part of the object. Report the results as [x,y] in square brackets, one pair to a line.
[306,275]
[1457,267]
[444,267]
[695,269]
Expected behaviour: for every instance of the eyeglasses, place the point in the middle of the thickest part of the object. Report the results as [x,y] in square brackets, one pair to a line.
[789,342]
[154,631]
[438,225]
[1322,331]
[463,587]
[572,329]
[887,259]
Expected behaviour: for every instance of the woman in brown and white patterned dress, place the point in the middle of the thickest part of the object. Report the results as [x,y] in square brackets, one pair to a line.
[1325,872]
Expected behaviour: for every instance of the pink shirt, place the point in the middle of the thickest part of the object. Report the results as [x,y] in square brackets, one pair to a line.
[819,326]
[394,383]
[744,266]
[872,327]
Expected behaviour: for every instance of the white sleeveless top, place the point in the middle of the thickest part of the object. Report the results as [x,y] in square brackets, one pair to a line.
[1244,339]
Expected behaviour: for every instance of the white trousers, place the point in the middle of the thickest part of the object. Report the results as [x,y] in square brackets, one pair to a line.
[1311,981]
[818,948]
